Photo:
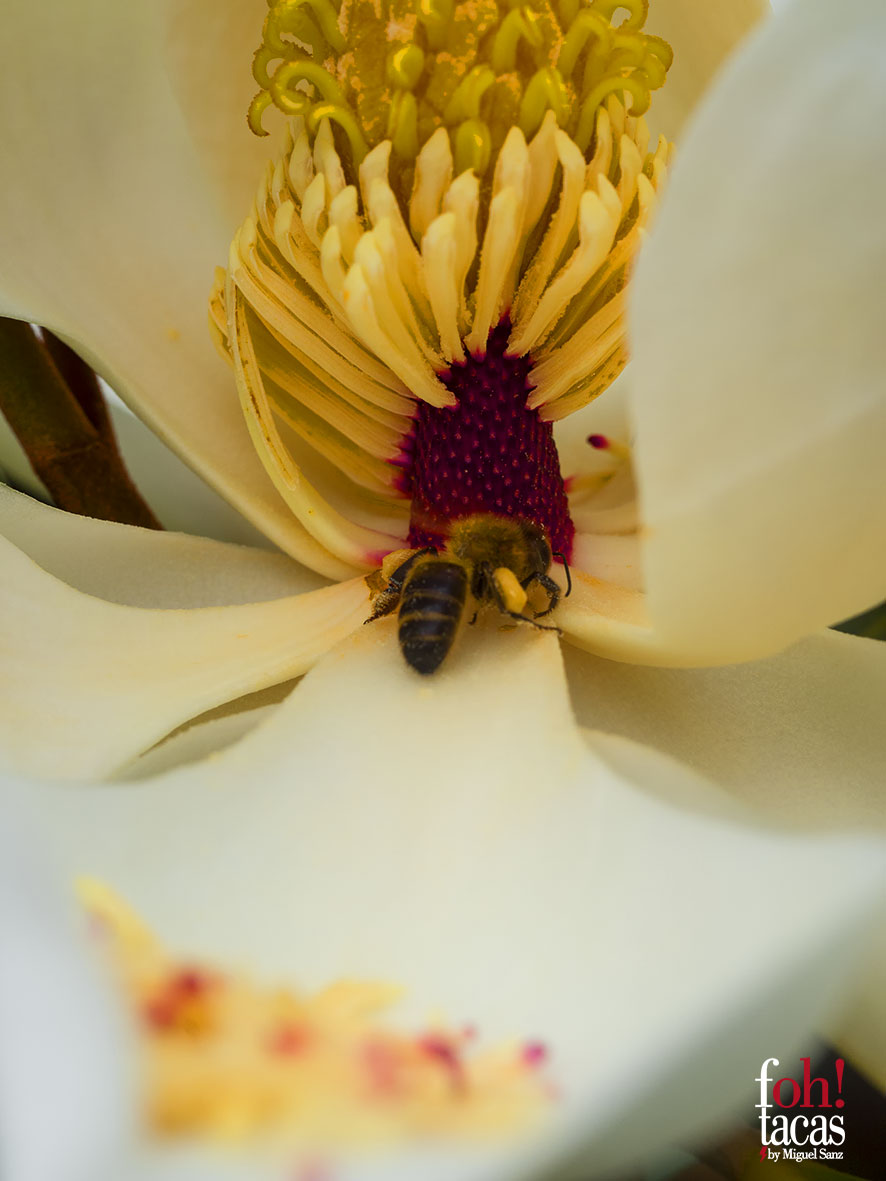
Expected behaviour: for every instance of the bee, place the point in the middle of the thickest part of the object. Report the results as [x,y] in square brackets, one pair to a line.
[494,560]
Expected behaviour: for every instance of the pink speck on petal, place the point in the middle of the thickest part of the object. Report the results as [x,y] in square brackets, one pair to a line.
[598,442]
[312,1171]
[382,1065]
[535,1053]
[288,1041]
[442,1050]
[160,1013]
[98,927]
[189,983]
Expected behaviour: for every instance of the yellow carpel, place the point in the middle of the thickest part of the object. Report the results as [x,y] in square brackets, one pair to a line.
[401,69]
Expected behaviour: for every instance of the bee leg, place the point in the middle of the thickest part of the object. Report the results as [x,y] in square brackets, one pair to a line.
[387,600]
[542,627]
[548,584]
[562,558]
[503,588]
[473,619]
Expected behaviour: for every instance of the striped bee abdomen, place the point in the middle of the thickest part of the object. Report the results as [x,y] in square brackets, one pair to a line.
[431,607]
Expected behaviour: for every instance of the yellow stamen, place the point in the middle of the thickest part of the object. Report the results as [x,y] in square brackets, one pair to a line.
[449,163]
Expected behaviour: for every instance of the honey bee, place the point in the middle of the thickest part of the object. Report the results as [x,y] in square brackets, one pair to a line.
[494,560]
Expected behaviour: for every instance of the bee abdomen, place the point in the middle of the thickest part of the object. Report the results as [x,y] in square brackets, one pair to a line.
[431,606]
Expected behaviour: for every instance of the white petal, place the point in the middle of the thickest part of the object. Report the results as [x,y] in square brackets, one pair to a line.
[454,835]
[179,499]
[702,35]
[206,736]
[145,567]
[207,52]
[65,1085]
[176,495]
[15,467]
[88,684]
[798,737]
[606,415]
[110,235]
[612,620]
[759,355]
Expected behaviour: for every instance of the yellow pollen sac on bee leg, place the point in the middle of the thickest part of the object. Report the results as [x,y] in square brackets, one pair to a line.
[512,593]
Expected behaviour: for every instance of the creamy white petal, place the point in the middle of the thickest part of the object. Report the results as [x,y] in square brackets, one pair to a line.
[611,620]
[146,567]
[110,235]
[88,684]
[177,496]
[703,33]
[606,415]
[66,1087]
[206,53]
[799,738]
[15,468]
[204,737]
[456,836]
[759,354]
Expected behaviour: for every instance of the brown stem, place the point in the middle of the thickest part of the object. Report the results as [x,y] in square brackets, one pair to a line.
[81,469]
[83,383]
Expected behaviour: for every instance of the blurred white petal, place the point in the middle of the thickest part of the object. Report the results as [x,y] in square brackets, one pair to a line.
[703,33]
[421,832]
[66,1086]
[759,352]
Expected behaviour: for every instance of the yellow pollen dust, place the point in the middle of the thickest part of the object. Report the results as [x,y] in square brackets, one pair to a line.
[228,1060]
[400,69]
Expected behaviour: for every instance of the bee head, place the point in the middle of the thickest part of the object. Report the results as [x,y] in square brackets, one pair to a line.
[537,544]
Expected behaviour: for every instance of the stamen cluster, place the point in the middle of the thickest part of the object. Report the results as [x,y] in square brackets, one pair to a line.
[433,219]
[400,71]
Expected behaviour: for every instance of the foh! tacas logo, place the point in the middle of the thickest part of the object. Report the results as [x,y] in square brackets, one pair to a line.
[800,1119]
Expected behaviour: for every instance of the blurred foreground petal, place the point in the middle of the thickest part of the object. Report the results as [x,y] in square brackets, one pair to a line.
[65,1085]
[703,34]
[457,837]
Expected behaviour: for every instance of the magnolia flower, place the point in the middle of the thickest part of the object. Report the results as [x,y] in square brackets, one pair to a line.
[464,836]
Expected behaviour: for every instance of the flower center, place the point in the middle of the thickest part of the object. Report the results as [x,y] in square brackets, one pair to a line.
[435,270]
[487,453]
